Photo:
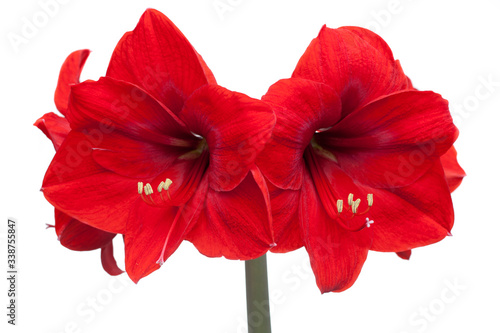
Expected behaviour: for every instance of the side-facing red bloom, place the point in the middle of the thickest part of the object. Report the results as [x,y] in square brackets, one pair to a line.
[354,161]
[160,153]
[72,233]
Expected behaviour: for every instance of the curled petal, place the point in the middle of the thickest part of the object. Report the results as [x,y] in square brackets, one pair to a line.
[301,108]
[108,260]
[236,128]
[55,127]
[69,75]
[452,170]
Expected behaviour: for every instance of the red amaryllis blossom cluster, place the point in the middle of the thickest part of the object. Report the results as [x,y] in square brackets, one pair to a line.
[359,159]
[344,157]
[158,152]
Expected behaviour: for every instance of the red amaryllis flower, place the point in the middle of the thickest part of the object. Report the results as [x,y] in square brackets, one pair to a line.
[72,233]
[354,161]
[160,153]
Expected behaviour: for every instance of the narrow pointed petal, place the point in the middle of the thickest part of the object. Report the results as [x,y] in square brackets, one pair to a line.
[157,57]
[301,108]
[236,128]
[234,224]
[379,144]
[336,255]
[286,228]
[355,62]
[79,187]
[69,75]
[78,236]
[108,260]
[452,170]
[55,127]
[109,105]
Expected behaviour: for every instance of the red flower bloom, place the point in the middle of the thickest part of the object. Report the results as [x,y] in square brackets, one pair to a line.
[354,162]
[160,153]
[72,233]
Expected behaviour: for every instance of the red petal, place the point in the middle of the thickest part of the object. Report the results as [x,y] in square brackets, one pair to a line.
[78,186]
[78,236]
[133,158]
[355,62]
[108,260]
[148,229]
[234,224]
[301,108]
[56,128]
[285,204]
[394,140]
[157,57]
[452,170]
[109,105]
[236,128]
[404,218]
[336,255]
[69,75]
[404,254]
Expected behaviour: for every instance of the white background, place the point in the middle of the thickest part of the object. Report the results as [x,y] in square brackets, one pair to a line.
[450,47]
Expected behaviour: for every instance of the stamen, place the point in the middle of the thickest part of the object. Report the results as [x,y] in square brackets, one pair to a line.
[369,198]
[140,186]
[167,184]
[160,186]
[340,205]
[355,205]
[349,199]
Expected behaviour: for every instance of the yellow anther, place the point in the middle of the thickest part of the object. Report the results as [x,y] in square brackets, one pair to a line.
[355,205]
[167,184]
[340,205]
[160,187]
[369,198]
[349,199]
[148,190]
[140,186]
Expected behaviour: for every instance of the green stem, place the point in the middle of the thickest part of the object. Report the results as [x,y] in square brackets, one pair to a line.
[258,314]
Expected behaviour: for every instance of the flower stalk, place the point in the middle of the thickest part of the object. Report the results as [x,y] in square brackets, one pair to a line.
[258,314]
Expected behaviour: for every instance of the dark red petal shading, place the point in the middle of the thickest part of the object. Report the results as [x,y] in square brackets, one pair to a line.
[56,128]
[452,170]
[404,254]
[148,228]
[133,158]
[394,140]
[78,236]
[79,187]
[336,255]
[355,62]
[236,128]
[404,218]
[301,108]
[109,105]
[69,75]
[157,57]
[234,224]
[108,260]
